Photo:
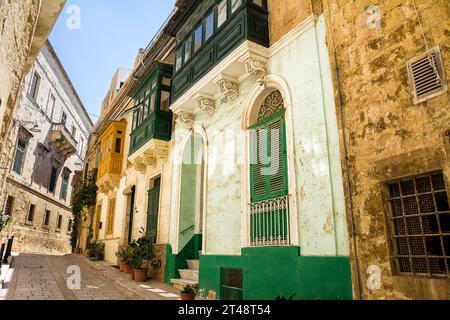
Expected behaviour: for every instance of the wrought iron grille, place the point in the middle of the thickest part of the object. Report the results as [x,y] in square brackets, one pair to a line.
[420,225]
[269,223]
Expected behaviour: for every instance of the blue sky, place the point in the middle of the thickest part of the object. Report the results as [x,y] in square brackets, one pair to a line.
[110,35]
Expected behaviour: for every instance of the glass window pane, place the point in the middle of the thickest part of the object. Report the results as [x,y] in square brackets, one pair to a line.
[188,49]
[209,26]
[198,38]
[179,61]
[166,82]
[165,98]
[222,13]
[152,102]
[235,4]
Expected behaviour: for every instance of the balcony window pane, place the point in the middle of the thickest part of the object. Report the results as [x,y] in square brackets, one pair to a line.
[118,145]
[165,97]
[222,13]
[198,38]
[152,102]
[179,61]
[235,4]
[145,108]
[188,49]
[209,26]
[20,156]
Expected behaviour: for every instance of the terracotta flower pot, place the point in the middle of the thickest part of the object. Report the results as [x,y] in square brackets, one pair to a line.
[121,266]
[140,275]
[132,274]
[189,297]
[126,268]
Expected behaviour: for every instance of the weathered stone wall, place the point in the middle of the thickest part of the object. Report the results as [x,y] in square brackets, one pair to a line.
[388,136]
[17,22]
[286,15]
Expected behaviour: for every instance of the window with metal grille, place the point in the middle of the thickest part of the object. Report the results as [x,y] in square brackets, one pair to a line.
[9,206]
[232,284]
[64,186]
[427,76]
[420,225]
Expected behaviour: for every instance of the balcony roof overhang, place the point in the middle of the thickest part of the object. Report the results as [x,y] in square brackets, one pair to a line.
[222,82]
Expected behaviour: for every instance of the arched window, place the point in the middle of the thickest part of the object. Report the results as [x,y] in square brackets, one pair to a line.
[269,221]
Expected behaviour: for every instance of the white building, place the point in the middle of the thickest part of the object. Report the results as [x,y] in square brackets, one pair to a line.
[48,142]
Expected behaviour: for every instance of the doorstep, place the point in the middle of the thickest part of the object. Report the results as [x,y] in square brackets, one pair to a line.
[150,290]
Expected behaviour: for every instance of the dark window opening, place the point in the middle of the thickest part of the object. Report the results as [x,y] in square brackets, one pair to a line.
[20,156]
[118,147]
[59,222]
[30,216]
[420,220]
[232,284]
[9,206]
[47,218]
[53,179]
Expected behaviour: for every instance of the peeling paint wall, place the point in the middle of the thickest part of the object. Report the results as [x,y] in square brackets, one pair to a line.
[388,136]
[321,208]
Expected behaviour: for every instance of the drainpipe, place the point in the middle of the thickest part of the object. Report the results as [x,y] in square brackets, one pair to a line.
[348,185]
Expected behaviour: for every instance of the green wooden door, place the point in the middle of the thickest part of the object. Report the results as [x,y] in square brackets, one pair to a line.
[152,213]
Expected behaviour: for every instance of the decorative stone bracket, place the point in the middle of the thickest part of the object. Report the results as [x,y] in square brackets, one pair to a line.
[228,88]
[256,67]
[184,117]
[205,103]
[157,150]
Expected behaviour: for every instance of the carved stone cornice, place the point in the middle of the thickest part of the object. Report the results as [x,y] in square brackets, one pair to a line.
[205,103]
[228,89]
[184,117]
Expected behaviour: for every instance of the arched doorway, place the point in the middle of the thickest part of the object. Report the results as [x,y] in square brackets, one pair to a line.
[191,205]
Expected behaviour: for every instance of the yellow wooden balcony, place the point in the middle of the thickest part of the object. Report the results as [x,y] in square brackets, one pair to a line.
[111,156]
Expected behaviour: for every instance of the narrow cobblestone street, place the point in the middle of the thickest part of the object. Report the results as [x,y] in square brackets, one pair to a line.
[39,277]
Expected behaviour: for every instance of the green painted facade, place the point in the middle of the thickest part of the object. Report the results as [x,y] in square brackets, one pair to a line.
[269,272]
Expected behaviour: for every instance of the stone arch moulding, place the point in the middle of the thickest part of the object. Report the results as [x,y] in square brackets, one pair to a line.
[178,161]
[254,101]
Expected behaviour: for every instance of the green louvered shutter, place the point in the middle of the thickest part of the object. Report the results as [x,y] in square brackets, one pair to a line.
[258,180]
[268,181]
[277,180]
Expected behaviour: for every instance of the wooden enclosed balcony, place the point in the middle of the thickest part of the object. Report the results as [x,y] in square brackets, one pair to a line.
[61,139]
[111,157]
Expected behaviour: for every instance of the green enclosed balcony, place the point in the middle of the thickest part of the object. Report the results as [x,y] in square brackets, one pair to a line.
[152,118]
[212,30]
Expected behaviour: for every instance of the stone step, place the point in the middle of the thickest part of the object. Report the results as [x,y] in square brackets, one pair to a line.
[190,274]
[193,264]
[181,283]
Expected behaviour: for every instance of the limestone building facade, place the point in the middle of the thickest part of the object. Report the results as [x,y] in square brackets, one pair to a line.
[49,133]
[24,28]
[391,65]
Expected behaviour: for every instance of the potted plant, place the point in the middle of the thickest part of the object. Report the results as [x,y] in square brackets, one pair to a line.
[100,251]
[188,293]
[127,259]
[120,258]
[91,249]
[140,274]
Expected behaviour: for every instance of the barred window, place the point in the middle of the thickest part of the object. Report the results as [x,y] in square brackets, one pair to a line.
[420,225]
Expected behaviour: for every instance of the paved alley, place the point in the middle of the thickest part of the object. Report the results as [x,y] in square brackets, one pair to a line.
[39,277]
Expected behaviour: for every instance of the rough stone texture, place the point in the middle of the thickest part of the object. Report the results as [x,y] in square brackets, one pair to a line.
[31,186]
[286,15]
[388,136]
